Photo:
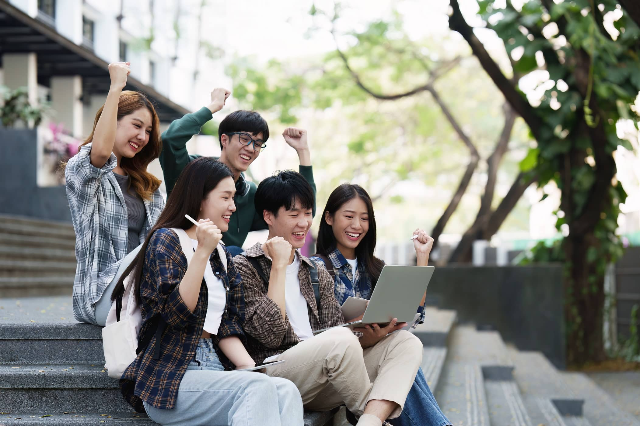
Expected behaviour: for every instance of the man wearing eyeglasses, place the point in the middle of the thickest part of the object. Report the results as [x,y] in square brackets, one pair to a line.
[243,135]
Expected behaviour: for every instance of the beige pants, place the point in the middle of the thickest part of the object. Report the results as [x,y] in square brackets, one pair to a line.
[331,369]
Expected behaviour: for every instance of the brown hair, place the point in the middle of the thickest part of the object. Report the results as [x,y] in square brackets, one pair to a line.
[143,182]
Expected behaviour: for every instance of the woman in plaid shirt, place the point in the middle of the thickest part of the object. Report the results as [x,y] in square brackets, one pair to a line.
[114,200]
[180,377]
[346,242]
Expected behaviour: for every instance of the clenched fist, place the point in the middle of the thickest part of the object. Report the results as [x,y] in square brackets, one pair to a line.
[118,72]
[208,235]
[218,98]
[279,250]
[423,243]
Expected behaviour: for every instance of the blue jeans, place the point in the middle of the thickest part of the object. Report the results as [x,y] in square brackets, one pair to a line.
[420,407]
[208,395]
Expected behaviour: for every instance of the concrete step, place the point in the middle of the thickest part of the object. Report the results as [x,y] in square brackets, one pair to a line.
[36,286]
[434,334]
[123,419]
[546,397]
[43,253]
[461,394]
[27,241]
[599,408]
[27,221]
[60,389]
[28,268]
[44,231]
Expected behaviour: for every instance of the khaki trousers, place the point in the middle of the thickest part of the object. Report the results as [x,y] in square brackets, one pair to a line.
[332,369]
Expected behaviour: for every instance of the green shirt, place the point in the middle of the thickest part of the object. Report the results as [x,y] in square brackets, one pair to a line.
[174,158]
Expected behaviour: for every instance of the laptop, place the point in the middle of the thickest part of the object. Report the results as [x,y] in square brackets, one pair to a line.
[397,294]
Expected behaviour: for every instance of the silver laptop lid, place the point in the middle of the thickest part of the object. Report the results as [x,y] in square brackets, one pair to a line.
[398,293]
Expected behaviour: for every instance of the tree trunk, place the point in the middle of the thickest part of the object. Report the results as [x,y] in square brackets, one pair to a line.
[633,9]
[486,229]
[463,251]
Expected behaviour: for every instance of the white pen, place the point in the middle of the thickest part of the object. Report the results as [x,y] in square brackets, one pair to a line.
[192,220]
[413,238]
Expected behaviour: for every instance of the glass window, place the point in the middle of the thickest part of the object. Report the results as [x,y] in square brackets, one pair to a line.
[123,51]
[88,28]
[152,73]
[48,7]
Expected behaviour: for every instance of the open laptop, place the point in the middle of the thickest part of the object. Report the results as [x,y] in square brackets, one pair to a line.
[397,294]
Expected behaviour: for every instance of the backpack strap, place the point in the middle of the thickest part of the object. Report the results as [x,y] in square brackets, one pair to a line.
[327,264]
[315,282]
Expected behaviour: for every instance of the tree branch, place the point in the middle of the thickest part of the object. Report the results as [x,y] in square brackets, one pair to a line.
[508,89]
[356,78]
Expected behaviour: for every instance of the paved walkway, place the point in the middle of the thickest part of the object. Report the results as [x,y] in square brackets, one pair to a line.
[623,387]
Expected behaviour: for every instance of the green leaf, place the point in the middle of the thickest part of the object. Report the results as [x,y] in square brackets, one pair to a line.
[530,161]
[526,64]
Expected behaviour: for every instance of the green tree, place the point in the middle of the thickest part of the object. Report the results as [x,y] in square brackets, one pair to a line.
[596,77]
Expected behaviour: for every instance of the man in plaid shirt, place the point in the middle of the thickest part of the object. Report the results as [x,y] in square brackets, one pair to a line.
[334,367]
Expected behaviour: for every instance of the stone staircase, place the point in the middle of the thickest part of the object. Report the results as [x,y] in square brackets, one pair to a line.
[37,257]
[51,373]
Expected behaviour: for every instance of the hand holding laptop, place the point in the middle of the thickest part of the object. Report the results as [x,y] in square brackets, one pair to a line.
[373,333]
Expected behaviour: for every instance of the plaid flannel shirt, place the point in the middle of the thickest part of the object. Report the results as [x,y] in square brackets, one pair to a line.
[267,332]
[100,221]
[157,381]
[347,285]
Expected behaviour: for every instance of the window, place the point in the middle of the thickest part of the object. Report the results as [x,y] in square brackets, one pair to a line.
[88,31]
[47,11]
[123,51]
[152,73]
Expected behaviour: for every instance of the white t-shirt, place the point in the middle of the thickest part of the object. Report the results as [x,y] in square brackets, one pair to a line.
[354,266]
[295,303]
[217,298]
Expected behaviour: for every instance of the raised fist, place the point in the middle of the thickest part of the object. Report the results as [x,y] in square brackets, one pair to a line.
[279,250]
[208,235]
[118,71]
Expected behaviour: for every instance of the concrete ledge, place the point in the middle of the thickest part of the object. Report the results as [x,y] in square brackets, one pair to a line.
[569,407]
[498,373]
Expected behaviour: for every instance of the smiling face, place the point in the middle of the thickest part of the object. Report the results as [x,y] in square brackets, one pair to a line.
[236,155]
[218,206]
[292,225]
[132,133]
[350,224]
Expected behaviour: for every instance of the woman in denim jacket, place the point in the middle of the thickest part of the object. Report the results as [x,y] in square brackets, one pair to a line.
[114,200]
[195,326]
[346,243]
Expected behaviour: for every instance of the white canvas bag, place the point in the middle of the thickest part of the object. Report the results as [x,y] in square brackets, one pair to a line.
[120,336]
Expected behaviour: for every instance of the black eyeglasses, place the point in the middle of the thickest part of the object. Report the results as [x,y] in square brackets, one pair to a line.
[245,139]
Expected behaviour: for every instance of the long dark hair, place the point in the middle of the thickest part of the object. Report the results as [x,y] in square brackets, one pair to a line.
[199,178]
[364,252]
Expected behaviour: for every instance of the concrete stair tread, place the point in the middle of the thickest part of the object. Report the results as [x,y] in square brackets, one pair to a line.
[479,347]
[310,419]
[460,392]
[432,363]
[599,408]
[32,253]
[436,327]
[27,221]
[37,231]
[505,404]
[75,419]
[22,282]
[29,241]
[31,265]
[77,376]
[42,317]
